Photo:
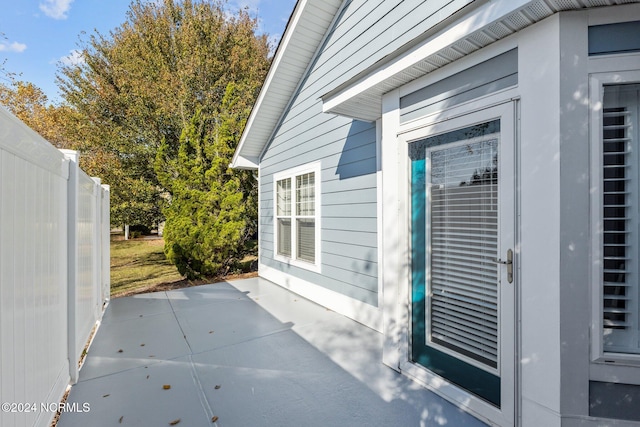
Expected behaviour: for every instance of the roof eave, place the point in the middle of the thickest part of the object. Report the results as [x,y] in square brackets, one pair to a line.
[247,163]
[361,97]
[276,92]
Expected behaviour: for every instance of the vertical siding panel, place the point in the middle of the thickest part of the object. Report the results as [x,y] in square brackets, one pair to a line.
[29,275]
[61,244]
[86,295]
[54,281]
[49,285]
[38,240]
[6,364]
[7,297]
[54,300]
[106,256]
[96,248]
[23,209]
[35,237]
[2,321]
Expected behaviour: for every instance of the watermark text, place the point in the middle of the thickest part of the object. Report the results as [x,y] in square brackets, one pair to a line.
[25,407]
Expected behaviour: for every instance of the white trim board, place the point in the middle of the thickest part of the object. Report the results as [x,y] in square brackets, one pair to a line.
[361,312]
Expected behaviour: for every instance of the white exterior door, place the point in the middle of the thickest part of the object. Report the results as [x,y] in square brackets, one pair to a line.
[462,242]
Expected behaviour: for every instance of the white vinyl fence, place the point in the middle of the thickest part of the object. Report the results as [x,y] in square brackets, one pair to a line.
[54,271]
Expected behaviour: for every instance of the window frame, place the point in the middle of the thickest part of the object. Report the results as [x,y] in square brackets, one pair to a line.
[293,174]
[430,250]
[597,82]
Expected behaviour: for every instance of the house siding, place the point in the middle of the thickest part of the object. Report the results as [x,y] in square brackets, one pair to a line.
[364,33]
[488,77]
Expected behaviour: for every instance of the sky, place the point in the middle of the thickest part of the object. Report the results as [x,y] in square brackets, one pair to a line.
[37,35]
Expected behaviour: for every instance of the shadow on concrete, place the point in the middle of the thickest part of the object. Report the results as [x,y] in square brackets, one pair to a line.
[243,353]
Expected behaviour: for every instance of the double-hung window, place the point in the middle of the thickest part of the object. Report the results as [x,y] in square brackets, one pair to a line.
[617,241]
[297,216]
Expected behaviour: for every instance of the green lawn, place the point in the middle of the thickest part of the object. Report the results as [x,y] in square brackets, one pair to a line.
[139,266]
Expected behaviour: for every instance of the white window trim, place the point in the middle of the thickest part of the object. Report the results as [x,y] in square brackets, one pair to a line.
[292,173]
[596,93]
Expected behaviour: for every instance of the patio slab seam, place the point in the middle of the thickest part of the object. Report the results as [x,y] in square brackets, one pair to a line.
[184,335]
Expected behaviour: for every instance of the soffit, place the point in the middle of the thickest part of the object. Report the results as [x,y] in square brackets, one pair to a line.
[361,97]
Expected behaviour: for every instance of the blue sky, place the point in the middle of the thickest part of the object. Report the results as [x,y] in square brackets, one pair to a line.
[36,35]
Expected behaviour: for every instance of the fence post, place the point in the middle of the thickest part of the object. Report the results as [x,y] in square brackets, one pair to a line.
[97,248]
[72,265]
[106,244]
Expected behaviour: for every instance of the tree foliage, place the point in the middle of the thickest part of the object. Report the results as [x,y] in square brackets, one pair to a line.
[131,197]
[136,95]
[207,219]
[30,104]
[142,84]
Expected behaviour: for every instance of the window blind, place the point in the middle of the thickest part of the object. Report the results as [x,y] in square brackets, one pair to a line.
[283,213]
[305,211]
[615,218]
[620,291]
[284,236]
[464,231]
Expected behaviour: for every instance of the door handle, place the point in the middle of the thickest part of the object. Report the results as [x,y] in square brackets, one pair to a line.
[508,263]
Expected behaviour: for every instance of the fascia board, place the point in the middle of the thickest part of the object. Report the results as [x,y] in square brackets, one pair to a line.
[277,60]
[287,51]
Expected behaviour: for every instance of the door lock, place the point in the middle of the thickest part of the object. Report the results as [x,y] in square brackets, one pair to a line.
[508,263]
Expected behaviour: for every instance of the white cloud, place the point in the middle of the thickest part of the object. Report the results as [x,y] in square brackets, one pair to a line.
[74,58]
[56,9]
[12,47]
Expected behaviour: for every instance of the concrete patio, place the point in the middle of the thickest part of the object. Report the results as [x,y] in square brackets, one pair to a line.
[244,353]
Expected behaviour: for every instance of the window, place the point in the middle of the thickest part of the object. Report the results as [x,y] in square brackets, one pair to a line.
[297,216]
[284,217]
[463,191]
[620,219]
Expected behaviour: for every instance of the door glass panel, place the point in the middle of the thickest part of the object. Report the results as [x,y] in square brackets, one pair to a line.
[463,302]
[454,205]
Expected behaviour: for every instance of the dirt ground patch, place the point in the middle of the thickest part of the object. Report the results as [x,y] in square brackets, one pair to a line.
[184,283]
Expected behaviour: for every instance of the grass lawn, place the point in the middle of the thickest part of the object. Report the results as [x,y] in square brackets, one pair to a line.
[139,266]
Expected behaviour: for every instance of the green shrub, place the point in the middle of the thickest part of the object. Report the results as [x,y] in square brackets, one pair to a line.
[211,213]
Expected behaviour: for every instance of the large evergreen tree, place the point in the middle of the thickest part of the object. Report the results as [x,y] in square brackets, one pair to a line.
[209,216]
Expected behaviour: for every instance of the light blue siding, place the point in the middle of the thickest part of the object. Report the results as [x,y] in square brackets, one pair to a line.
[358,210]
[487,77]
[364,33]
